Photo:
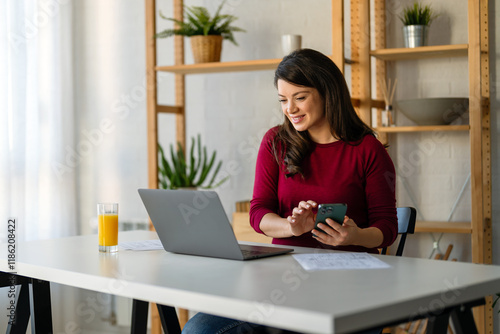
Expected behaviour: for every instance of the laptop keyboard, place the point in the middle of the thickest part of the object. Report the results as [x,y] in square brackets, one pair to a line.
[250,253]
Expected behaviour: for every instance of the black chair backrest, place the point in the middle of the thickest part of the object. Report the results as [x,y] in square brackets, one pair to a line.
[406,224]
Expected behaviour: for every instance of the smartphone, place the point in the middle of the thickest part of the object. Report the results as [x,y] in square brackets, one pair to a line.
[335,211]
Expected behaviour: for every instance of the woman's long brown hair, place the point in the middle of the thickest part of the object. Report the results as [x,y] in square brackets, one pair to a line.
[310,68]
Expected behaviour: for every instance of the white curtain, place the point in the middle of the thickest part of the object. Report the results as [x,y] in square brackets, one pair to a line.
[37,181]
[37,184]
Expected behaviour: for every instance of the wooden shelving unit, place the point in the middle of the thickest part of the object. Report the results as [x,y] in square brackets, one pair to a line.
[229,66]
[422,128]
[476,51]
[459,50]
[443,227]
[232,66]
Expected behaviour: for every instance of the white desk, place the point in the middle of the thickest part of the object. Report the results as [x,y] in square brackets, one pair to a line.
[275,291]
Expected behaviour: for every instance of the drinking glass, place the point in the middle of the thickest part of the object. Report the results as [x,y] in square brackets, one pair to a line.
[108,227]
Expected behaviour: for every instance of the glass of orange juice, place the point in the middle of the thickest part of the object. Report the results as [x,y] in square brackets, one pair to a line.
[108,227]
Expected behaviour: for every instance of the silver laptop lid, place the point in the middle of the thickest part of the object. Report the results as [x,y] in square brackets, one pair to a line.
[191,222]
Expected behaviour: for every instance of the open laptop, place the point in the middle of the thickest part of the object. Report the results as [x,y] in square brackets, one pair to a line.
[194,222]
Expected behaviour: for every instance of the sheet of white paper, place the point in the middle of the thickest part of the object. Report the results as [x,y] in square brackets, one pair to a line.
[337,261]
[143,245]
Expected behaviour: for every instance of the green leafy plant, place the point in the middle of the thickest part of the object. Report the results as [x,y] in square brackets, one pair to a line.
[199,22]
[180,173]
[417,15]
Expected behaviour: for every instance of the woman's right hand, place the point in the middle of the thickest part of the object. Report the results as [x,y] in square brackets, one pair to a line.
[302,218]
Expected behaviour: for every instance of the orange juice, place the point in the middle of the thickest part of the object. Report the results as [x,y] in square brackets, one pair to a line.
[108,230]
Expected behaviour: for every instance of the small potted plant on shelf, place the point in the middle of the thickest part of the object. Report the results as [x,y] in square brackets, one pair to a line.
[192,173]
[416,19]
[206,32]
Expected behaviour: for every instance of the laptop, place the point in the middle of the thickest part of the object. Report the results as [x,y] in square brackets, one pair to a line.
[194,222]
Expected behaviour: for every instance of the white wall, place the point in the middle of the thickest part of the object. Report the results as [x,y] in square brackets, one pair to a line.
[433,168]
[240,107]
[232,110]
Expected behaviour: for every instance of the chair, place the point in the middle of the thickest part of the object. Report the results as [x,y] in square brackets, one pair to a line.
[406,224]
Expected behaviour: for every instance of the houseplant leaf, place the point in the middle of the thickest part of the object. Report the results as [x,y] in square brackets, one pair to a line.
[191,171]
[198,21]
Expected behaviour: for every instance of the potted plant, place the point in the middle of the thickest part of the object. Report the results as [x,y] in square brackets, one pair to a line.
[206,32]
[192,173]
[416,19]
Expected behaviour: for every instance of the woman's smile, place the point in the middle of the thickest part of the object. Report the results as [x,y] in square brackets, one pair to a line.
[296,119]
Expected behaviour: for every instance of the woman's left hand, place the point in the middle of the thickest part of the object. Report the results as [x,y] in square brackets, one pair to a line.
[336,234]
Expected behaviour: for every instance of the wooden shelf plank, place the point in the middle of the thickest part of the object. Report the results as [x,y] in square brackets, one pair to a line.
[356,102]
[169,109]
[435,51]
[378,104]
[422,128]
[228,66]
[443,227]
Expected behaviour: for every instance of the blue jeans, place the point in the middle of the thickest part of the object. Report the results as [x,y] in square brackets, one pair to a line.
[203,323]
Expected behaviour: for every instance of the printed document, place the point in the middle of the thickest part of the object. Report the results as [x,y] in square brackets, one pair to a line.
[338,261]
[143,245]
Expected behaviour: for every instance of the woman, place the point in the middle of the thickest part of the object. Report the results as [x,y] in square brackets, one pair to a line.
[322,153]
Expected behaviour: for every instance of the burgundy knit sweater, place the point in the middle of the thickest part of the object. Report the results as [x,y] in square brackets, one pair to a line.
[362,176]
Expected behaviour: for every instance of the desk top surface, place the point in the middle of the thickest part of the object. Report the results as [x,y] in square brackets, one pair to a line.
[275,291]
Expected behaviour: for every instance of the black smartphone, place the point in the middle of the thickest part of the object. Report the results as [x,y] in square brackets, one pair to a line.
[335,211]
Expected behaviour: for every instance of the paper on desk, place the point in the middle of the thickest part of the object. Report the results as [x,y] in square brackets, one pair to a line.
[142,245]
[336,261]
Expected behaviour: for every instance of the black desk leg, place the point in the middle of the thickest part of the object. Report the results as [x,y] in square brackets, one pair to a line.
[41,311]
[438,324]
[139,317]
[463,320]
[19,324]
[169,319]
[461,315]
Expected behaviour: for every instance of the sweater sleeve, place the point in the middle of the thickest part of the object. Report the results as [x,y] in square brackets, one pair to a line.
[380,191]
[265,198]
